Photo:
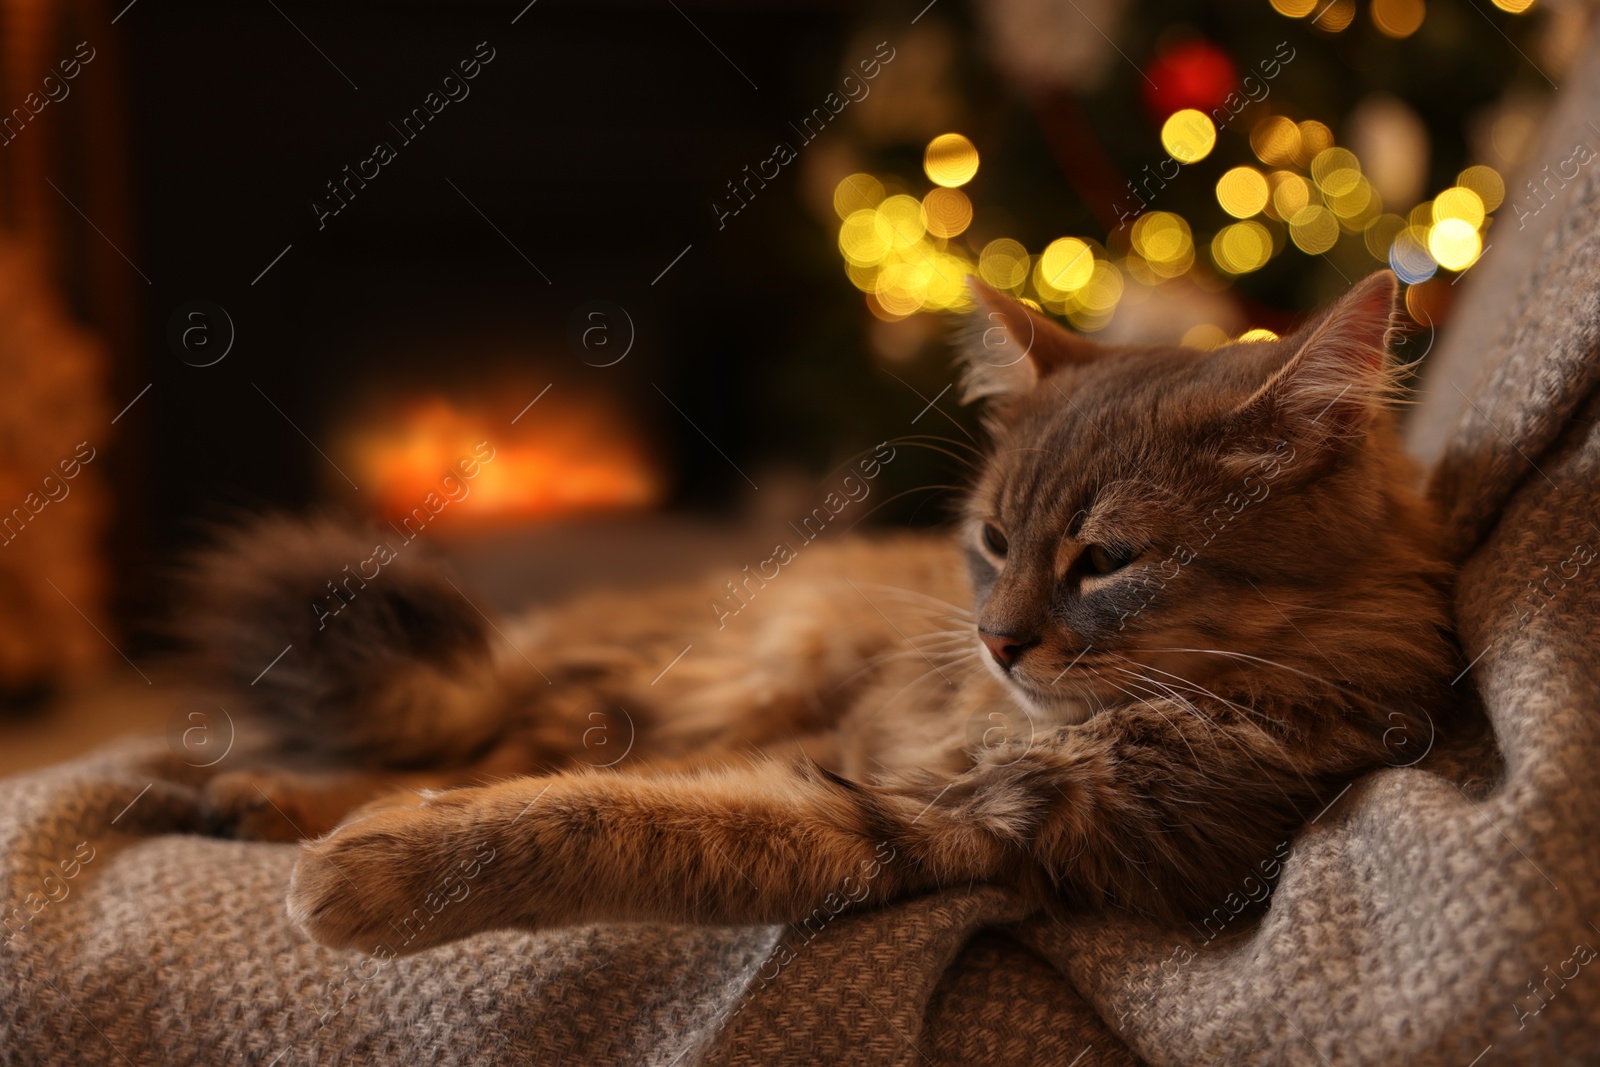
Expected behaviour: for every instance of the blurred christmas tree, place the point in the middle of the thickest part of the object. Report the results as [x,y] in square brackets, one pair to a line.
[1184,170]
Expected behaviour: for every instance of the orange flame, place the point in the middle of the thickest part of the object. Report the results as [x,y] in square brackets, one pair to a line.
[568,457]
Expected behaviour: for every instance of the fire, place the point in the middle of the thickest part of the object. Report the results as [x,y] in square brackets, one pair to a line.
[558,459]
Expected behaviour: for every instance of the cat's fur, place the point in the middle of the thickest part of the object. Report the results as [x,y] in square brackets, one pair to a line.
[1277,625]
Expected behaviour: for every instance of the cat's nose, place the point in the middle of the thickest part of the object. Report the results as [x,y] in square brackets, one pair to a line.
[1006,648]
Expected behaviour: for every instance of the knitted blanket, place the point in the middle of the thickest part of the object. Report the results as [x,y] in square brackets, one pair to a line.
[1437,914]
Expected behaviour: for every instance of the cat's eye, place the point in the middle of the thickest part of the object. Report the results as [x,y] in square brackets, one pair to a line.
[1102,559]
[993,539]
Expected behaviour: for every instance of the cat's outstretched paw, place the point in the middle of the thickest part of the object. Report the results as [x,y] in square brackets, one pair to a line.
[266,805]
[396,879]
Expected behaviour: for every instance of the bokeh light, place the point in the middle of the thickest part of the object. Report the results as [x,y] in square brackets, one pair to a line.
[1329,161]
[1295,9]
[1461,203]
[857,192]
[1242,247]
[1379,234]
[1315,138]
[859,239]
[1242,192]
[1163,240]
[1290,194]
[1188,135]
[1003,263]
[1066,265]
[899,221]
[1335,16]
[1103,289]
[946,212]
[1275,141]
[1516,7]
[1258,334]
[1409,257]
[1486,182]
[1398,18]
[1204,336]
[1314,229]
[950,160]
[1454,243]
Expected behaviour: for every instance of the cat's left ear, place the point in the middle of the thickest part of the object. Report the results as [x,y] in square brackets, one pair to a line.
[1336,376]
[1009,347]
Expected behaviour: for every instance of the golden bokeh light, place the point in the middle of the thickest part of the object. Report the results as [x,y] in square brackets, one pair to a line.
[1003,263]
[1335,16]
[1398,18]
[1260,333]
[1188,135]
[864,278]
[1290,194]
[1516,7]
[1275,141]
[1103,290]
[1163,240]
[1295,9]
[1461,203]
[1204,336]
[1066,265]
[899,221]
[1315,138]
[945,288]
[856,193]
[1242,247]
[946,212]
[900,285]
[1352,198]
[1380,233]
[950,160]
[1242,192]
[860,241]
[1314,229]
[1486,182]
[1331,161]
[1454,243]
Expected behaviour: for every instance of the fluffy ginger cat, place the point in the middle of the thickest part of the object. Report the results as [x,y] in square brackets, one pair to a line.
[1204,596]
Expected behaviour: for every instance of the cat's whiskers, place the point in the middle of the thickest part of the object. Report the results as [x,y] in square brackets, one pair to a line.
[1345,689]
[917,594]
[913,441]
[1249,713]
[1147,703]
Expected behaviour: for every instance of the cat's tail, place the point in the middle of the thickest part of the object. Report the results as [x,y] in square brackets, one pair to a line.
[339,644]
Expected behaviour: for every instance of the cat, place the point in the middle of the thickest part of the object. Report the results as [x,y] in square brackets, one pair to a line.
[1205,595]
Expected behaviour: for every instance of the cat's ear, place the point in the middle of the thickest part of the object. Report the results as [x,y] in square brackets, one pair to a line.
[1336,375]
[1009,347]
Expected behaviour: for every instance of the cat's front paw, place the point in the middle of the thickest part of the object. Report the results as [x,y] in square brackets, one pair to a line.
[395,880]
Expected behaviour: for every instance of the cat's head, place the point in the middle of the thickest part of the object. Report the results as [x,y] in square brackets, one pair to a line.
[1149,511]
